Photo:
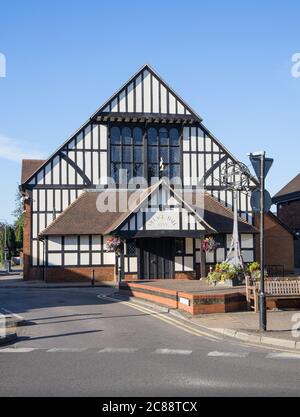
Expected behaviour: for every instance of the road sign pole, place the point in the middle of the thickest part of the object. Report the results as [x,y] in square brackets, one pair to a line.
[262,295]
[261,166]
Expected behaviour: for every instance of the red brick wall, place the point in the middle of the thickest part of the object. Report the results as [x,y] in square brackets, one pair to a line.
[185,275]
[79,274]
[279,244]
[178,275]
[290,214]
[30,273]
[131,277]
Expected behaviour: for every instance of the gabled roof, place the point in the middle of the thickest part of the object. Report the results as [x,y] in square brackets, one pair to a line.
[221,217]
[137,96]
[292,189]
[106,107]
[29,166]
[151,190]
[83,218]
[117,97]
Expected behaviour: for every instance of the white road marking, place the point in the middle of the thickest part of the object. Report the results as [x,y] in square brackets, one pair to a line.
[118,350]
[283,355]
[66,350]
[17,350]
[169,320]
[17,316]
[173,352]
[228,354]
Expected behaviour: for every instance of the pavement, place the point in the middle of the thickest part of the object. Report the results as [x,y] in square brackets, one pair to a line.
[283,327]
[84,342]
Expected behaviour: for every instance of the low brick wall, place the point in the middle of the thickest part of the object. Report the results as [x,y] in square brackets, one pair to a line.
[157,295]
[32,273]
[178,275]
[211,303]
[192,303]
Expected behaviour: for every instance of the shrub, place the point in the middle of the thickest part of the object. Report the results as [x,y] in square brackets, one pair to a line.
[223,272]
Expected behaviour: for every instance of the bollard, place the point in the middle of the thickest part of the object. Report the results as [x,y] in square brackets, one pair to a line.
[93,278]
[119,274]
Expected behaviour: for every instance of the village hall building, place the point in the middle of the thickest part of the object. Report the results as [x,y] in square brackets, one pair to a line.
[145,170]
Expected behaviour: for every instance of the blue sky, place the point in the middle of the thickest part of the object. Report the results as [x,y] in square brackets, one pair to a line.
[231,61]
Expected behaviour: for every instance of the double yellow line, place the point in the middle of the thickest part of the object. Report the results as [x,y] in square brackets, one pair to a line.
[172,321]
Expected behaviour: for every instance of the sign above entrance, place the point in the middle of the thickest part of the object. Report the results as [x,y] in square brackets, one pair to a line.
[163,220]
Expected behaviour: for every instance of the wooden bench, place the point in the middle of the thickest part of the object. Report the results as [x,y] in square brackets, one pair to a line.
[275,288]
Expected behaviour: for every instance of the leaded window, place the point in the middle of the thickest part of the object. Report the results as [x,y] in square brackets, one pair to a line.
[126,152]
[155,157]
[163,153]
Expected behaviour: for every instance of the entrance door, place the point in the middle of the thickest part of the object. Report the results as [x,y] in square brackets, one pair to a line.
[156,258]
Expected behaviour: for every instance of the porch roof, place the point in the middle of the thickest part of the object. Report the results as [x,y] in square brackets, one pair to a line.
[83,218]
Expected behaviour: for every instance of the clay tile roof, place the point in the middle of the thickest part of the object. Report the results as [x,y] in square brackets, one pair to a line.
[221,218]
[29,166]
[83,218]
[292,187]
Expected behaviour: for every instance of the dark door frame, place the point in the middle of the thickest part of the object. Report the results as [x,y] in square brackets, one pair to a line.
[156,258]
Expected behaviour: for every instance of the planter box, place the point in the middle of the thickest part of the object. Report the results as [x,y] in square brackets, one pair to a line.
[234,282]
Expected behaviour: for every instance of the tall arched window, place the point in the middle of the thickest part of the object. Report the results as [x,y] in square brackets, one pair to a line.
[126,152]
[163,153]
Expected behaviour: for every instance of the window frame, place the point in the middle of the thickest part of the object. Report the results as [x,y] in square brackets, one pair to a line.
[145,145]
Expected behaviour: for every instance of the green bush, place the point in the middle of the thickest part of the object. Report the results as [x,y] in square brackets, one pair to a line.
[254,270]
[223,272]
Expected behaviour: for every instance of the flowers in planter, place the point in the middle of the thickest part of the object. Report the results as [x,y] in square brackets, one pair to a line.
[253,270]
[223,272]
[114,244]
[209,244]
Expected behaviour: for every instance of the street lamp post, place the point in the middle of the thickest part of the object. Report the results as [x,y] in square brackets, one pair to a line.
[262,295]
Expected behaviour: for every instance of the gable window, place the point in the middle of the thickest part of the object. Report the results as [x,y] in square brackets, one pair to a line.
[163,153]
[127,152]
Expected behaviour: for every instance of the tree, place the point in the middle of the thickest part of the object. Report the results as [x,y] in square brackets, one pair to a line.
[2,234]
[19,215]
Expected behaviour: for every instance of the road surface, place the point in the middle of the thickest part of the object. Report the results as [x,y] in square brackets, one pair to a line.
[77,343]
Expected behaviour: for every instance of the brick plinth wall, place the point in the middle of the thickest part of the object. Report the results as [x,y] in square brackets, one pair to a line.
[178,275]
[157,295]
[212,303]
[30,273]
[185,275]
[79,274]
[189,302]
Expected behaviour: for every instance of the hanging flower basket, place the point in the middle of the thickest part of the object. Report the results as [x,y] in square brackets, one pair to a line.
[114,244]
[209,244]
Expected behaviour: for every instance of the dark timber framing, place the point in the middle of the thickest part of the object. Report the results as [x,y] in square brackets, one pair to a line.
[85,157]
